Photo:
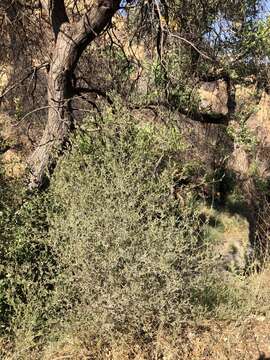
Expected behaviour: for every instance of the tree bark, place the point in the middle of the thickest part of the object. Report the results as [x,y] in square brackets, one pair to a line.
[70,42]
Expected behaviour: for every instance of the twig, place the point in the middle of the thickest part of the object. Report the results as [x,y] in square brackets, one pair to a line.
[161,31]
[157,165]
[30,113]
[82,90]
[193,46]
[13,86]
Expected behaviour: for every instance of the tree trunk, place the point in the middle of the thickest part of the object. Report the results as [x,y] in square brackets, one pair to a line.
[70,42]
[59,113]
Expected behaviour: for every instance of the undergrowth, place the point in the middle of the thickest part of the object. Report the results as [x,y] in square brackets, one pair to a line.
[112,252]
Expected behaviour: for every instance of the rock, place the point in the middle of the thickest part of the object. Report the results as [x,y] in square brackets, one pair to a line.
[245,95]
[214,97]
[5,71]
[259,122]
[15,136]
[14,167]
[239,161]
[17,144]
[258,125]
[7,131]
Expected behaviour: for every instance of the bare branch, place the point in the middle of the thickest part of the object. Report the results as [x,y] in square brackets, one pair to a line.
[22,80]
[161,31]
[81,90]
[193,46]
[81,34]
[30,113]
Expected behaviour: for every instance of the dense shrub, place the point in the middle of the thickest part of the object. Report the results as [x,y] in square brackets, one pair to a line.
[133,254]
[112,248]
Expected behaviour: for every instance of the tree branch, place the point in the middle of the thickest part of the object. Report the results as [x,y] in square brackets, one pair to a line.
[22,80]
[58,15]
[81,34]
[203,55]
[82,90]
[197,116]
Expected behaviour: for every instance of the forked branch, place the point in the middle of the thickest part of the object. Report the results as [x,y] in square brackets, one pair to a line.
[58,15]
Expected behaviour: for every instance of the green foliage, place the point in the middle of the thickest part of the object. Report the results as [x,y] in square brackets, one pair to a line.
[173,79]
[257,41]
[242,135]
[27,262]
[122,244]
[122,235]
[110,248]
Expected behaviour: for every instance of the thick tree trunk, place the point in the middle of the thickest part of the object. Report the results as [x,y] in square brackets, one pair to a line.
[59,113]
[70,42]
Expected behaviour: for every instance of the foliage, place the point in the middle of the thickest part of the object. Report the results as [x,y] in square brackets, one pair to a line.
[109,248]
[123,245]
[241,134]
[124,235]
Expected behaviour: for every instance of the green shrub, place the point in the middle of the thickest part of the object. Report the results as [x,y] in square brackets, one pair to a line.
[132,254]
[112,249]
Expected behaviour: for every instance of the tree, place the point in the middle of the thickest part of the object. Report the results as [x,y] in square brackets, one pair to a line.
[61,31]
[69,40]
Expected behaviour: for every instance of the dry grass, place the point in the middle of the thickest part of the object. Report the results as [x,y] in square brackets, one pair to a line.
[244,339]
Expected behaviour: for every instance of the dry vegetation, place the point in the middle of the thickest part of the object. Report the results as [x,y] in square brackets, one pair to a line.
[149,237]
[123,259]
